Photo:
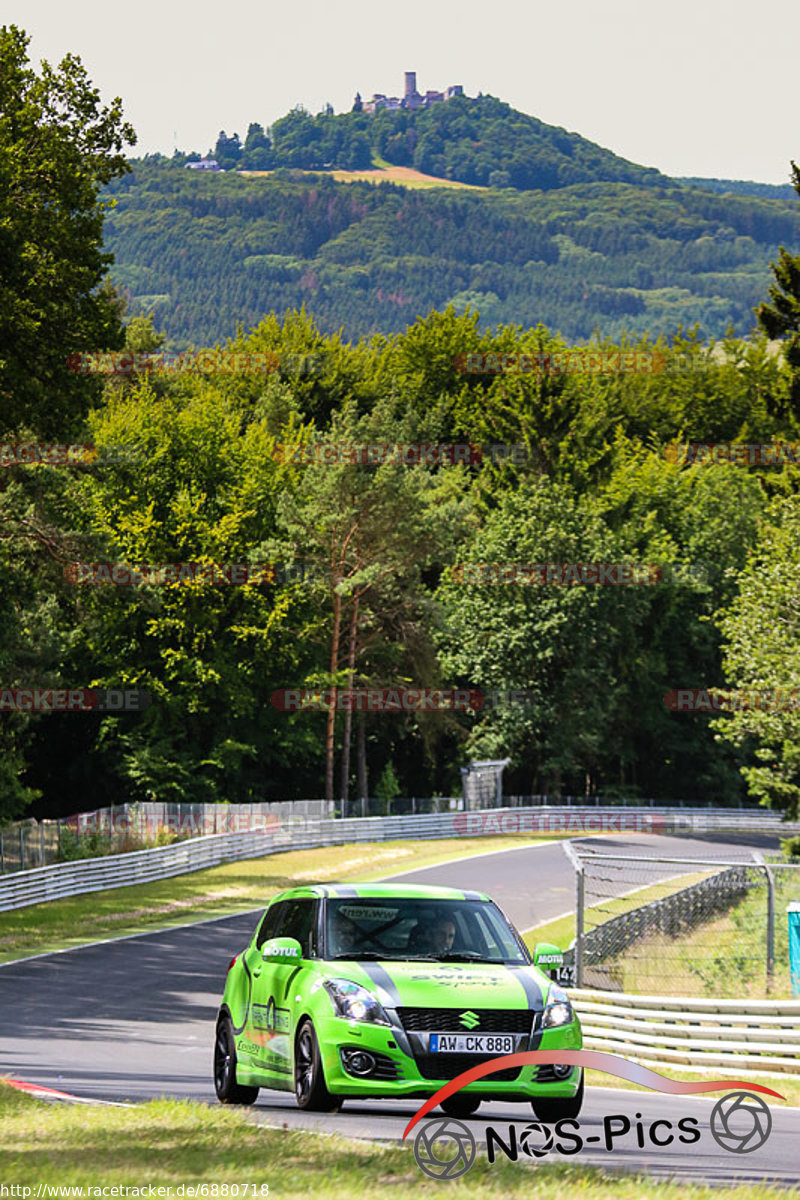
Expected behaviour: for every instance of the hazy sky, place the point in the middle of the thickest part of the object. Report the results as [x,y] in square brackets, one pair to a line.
[693,87]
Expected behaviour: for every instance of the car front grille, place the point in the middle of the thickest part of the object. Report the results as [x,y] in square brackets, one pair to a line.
[385,1067]
[448,1020]
[447,1066]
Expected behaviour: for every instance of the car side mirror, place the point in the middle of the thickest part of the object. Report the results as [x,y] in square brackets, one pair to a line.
[548,958]
[282,950]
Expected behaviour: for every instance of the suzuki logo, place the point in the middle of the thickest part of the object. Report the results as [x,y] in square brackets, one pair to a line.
[469,1020]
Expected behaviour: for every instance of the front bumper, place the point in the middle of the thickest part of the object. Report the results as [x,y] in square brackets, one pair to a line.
[404,1068]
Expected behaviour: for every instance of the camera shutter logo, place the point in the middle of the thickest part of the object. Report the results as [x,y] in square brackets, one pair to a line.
[740,1122]
[536,1139]
[444,1148]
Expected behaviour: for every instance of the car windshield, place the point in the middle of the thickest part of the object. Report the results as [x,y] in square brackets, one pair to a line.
[418,929]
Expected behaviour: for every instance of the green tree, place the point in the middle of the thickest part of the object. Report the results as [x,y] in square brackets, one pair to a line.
[780,317]
[58,147]
[228,151]
[387,788]
[372,531]
[559,644]
[761,631]
[201,487]
[257,151]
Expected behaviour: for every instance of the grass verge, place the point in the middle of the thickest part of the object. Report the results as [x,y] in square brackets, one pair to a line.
[221,891]
[561,931]
[787,1085]
[171,1143]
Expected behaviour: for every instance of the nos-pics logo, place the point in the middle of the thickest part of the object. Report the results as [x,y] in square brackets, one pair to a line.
[446,1148]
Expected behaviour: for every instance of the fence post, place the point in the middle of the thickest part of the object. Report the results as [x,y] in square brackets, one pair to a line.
[574,858]
[770,926]
[2,855]
[22,847]
[759,857]
[579,928]
[41,843]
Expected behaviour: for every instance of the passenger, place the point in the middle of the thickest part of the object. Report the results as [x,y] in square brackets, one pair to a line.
[343,934]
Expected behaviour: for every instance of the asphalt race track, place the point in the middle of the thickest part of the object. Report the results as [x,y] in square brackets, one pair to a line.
[134,1018]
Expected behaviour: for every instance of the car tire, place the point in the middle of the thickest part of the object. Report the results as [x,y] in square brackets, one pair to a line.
[551,1108]
[310,1091]
[227,1089]
[460,1106]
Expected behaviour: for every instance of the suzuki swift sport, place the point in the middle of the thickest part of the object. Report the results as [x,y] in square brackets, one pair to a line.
[380,990]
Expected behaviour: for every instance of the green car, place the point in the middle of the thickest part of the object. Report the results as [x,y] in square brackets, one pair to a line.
[381,990]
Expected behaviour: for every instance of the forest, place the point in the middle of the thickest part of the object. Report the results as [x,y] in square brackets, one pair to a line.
[140,563]
[373,587]
[203,253]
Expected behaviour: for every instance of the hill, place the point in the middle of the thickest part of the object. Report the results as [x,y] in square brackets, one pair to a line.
[741,187]
[480,141]
[203,252]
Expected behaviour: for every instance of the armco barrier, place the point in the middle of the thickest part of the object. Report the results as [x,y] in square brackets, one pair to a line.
[119,870]
[744,1036]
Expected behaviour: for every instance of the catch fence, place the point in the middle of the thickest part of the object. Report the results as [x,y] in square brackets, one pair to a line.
[681,926]
[122,828]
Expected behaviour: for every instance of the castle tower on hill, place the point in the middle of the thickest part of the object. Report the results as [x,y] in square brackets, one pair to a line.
[411,99]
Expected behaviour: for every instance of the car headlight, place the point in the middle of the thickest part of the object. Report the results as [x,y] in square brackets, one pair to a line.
[354,1003]
[559,1010]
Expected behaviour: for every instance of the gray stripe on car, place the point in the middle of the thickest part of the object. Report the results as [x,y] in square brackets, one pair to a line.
[535,998]
[381,977]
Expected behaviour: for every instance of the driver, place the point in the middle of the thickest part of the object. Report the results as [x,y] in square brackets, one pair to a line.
[442,934]
[436,937]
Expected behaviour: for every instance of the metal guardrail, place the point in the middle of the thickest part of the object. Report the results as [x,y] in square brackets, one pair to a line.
[128,827]
[59,880]
[35,886]
[622,819]
[748,1036]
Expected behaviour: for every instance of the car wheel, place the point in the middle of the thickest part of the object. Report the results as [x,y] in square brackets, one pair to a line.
[461,1106]
[551,1109]
[227,1089]
[309,1082]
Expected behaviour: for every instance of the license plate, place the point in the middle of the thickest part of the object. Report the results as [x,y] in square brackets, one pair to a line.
[470,1043]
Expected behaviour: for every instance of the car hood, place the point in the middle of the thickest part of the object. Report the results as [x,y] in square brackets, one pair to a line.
[447,985]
